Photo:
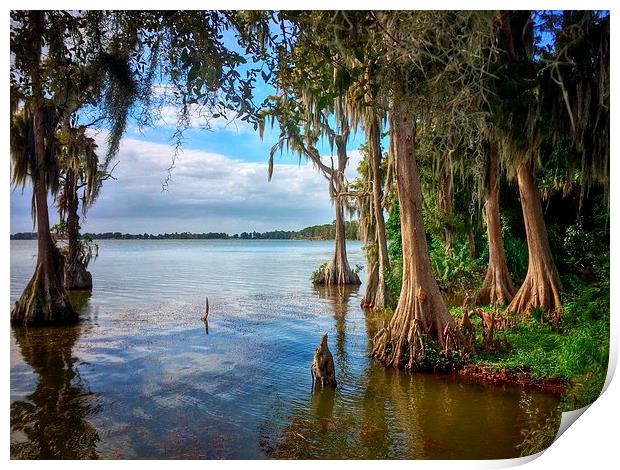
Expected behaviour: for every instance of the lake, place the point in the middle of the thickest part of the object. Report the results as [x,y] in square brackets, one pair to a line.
[139,377]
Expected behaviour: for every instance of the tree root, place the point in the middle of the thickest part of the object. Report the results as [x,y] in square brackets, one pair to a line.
[538,291]
[406,343]
[77,277]
[44,301]
[497,288]
[332,275]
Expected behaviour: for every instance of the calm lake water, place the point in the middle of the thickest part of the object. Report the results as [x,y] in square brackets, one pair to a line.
[139,377]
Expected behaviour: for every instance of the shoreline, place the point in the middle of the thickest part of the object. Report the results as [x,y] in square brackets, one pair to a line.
[481,373]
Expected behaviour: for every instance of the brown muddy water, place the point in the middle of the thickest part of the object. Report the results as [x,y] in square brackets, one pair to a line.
[139,377]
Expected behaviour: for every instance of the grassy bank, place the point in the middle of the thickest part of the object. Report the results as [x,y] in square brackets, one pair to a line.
[575,354]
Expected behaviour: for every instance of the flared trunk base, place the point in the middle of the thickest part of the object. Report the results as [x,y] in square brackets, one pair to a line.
[77,277]
[377,296]
[497,288]
[372,284]
[406,341]
[332,275]
[541,287]
[539,290]
[383,298]
[44,301]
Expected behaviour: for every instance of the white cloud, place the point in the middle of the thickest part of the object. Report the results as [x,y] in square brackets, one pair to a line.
[208,192]
[199,116]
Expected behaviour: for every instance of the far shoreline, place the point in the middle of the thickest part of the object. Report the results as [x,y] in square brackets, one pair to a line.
[314,232]
[206,239]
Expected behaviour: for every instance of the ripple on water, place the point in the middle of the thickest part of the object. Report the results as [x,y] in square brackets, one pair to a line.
[140,378]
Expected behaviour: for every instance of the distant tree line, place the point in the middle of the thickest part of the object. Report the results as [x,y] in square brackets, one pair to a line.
[314,232]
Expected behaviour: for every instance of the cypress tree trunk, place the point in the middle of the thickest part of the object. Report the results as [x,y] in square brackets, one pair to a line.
[382,297]
[445,201]
[76,275]
[338,271]
[369,234]
[44,301]
[541,287]
[372,280]
[497,286]
[377,294]
[421,315]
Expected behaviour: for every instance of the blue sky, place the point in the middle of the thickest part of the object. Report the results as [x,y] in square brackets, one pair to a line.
[219,183]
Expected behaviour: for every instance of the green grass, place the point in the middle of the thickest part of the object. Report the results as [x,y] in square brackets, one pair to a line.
[576,354]
[546,353]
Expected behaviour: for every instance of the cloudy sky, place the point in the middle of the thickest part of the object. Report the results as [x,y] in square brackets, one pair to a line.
[219,184]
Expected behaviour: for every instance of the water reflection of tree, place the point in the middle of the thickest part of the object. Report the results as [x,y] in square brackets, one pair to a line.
[52,422]
[389,413]
[424,416]
[339,297]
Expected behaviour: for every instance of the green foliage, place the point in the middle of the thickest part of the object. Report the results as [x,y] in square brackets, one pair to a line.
[437,361]
[548,353]
[589,302]
[392,230]
[515,250]
[328,231]
[318,273]
[577,353]
[455,272]
[88,250]
[393,279]
[583,247]
[316,232]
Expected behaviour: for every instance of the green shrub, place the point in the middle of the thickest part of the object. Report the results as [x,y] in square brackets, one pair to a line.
[319,272]
[456,272]
[516,252]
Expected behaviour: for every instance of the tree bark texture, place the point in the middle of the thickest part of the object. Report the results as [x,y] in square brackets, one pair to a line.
[377,294]
[76,275]
[541,287]
[497,286]
[44,300]
[338,271]
[421,316]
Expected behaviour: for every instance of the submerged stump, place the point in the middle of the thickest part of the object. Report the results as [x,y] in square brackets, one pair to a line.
[205,316]
[322,369]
